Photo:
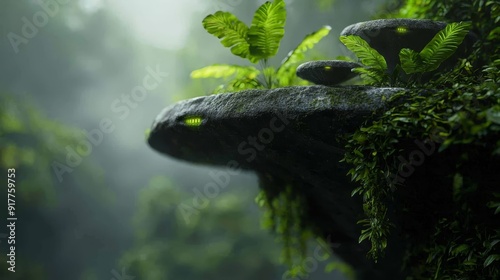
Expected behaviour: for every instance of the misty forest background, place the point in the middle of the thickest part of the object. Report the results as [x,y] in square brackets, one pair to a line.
[113,215]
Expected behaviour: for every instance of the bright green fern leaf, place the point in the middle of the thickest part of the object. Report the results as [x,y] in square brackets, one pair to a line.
[309,41]
[286,71]
[444,44]
[224,71]
[267,29]
[367,55]
[232,32]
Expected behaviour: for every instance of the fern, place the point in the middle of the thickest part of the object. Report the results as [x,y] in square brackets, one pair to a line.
[375,66]
[309,41]
[367,55]
[444,44]
[232,32]
[267,29]
[286,72]
[257,43]
[440,48]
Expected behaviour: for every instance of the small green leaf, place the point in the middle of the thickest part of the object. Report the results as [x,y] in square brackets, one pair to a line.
[459,249]
[490,259]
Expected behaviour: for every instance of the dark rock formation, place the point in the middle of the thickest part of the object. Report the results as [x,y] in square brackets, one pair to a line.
[327,72]
[288,136]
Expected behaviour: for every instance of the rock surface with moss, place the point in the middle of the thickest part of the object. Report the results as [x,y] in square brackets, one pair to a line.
[293,138]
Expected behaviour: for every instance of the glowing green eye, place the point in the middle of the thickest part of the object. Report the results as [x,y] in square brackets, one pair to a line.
[193,121]
[328,68]
[401,30]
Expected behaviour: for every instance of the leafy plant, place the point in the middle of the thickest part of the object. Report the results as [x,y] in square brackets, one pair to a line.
[257,44]
[375,66]
[440,48]
[374,69]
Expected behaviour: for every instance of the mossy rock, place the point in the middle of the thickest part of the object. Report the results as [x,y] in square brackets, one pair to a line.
[290,137]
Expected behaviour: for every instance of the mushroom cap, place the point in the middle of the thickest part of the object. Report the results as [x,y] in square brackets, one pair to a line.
[327,72]
[389,36]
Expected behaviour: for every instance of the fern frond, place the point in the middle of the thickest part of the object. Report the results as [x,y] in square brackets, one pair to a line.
[367,55]
[267,29]
[444,44]
[232,32]
[309,41]
[286,72]
[224,71]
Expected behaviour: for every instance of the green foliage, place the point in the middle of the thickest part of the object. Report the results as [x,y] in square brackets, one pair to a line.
[450,220]
[374,70]
[232,31]
[286,72]
[440,48]
[260,41]
[454,112]
[368,56]
[267,29]
[256,43]
[287,216]
[375,66]
[284,216]
[484,16]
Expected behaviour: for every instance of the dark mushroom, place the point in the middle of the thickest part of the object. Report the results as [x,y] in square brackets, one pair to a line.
[327,72]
